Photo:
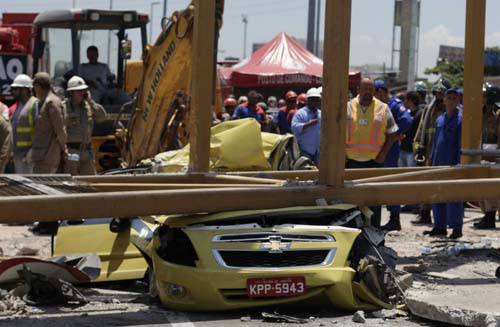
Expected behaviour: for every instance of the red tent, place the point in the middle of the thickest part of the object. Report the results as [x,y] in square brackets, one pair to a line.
[282,62]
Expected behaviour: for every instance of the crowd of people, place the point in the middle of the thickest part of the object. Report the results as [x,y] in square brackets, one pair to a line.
[385,130]
[44,134]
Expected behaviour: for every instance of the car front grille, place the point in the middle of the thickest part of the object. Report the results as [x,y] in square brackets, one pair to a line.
[264,259]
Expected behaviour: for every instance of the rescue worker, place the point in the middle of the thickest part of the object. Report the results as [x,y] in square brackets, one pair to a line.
[82,111]
[446,151]
[424,138]
[5,143]
[49,141]
[96,73]
[421,88]
[371,132]
[404,121]
[301,101]
[230,105]
[306,125]
[291,104]
[23,123]
[250,109]
[490,139]
[272,108]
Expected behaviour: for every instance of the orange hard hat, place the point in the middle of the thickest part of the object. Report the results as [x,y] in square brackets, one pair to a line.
[290,95]
[230,102]
[302,98]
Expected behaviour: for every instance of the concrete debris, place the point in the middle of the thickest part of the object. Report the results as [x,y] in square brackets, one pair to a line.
[463,305]
[26,251]
[11,303]
[246,319]
[278,317]
[359,317]
[389,314]
[442,275]
[419,268]
[405,281]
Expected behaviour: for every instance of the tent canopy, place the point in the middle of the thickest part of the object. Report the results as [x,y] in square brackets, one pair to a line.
[282,62]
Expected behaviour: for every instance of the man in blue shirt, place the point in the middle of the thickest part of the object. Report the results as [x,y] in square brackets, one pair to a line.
[446,152]
[291,106]
[306,126]
[250,109]
[403,120]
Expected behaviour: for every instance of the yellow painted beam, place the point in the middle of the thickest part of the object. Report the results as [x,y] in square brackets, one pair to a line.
[202,85]
[22,209]
[473,78]
[335,88]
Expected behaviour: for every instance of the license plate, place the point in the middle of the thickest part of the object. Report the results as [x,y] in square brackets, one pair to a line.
[276,287]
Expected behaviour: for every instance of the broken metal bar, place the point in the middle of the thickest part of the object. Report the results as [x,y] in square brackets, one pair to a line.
[481,152]
[350,174]
[116,187]
[459,172]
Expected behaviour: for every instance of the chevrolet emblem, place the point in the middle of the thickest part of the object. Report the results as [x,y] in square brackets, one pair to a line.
[274,245]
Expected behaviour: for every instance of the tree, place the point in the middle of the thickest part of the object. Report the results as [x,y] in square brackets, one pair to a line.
[453,71]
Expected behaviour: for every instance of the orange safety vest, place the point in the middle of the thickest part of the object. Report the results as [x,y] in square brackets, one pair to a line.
[365,130]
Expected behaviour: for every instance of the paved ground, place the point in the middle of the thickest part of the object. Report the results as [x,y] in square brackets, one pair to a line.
[124,304]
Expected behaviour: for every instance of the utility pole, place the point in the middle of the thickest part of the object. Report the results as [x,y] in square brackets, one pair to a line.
[412,56]
[245,25]
[109,34]
[311,25]
[318,20]
[74,4]
[164,8]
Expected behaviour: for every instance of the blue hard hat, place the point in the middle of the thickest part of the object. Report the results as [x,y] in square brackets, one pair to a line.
[380,84]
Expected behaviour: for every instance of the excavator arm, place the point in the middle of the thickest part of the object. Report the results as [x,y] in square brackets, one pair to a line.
[161,107]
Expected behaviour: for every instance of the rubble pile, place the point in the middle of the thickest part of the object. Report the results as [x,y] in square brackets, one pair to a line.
[11,304]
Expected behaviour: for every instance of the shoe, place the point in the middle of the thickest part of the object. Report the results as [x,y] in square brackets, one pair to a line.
[436,232]
[457,233]
[393,224]
[422,220]
[487,222]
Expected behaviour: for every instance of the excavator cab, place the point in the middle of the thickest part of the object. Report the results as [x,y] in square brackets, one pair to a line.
[61,45]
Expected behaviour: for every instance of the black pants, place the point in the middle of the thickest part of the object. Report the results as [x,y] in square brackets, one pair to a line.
[377,210]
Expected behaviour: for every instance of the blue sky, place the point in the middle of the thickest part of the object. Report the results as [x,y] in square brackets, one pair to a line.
[442,22]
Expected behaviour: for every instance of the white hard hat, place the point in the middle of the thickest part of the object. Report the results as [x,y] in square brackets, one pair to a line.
[242,99]
[313,93]
[76,83]
[320,90]
[22,80]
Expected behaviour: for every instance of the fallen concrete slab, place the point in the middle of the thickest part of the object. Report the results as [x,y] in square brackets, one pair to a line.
[475,305]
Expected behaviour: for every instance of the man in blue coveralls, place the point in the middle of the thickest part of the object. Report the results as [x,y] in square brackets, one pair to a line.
[403,120]
[306,126]
[446,151]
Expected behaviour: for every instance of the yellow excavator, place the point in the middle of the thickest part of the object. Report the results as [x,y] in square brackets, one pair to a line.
[161,106]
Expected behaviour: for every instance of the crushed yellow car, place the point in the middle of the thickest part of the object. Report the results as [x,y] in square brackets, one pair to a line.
[245,259]
[238,145]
